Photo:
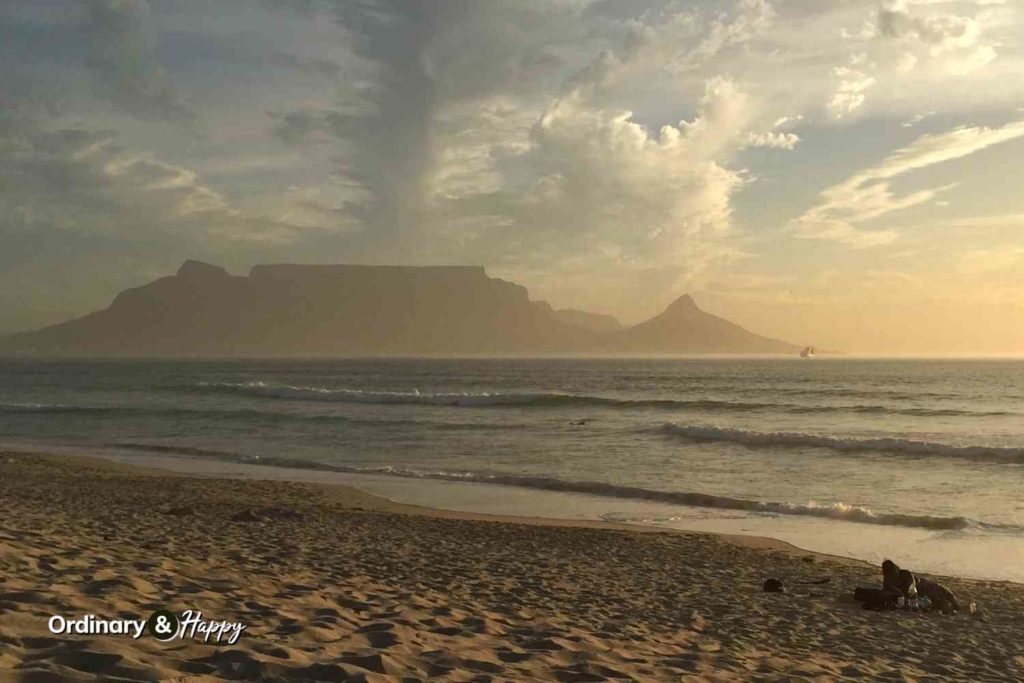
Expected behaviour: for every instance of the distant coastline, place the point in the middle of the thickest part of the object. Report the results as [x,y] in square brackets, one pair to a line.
[285,311]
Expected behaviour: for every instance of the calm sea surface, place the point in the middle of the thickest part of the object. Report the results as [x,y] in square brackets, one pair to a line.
[919,460]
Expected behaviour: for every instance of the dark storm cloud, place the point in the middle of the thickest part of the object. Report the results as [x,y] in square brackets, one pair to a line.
[424,58]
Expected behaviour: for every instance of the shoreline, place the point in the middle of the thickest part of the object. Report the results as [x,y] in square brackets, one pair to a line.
[183,464]
[334,583]
[385,503]
[165,464]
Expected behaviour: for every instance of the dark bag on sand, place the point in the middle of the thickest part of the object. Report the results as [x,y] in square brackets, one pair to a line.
[941,597]
[877,598]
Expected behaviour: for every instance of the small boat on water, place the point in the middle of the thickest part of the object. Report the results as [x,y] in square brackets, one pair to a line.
[808,352]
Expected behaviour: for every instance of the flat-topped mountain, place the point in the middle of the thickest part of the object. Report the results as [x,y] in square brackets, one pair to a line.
[339,310]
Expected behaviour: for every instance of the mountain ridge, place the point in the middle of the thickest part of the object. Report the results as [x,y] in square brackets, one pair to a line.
[284,309]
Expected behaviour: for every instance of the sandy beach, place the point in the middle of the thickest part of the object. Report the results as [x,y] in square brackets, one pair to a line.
[335,584]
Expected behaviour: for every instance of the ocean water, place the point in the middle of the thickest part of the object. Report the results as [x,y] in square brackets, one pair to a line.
[918,460]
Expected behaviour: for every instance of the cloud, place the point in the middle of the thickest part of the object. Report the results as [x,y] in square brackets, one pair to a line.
[675,41]
[939,147]
[425,60]
[957,40]
[943,32]
[749,20]
[772,139]
[851,88]
[61,182]
[597,205]
[909,49]
[502,134]
[917,118]
[868,195]
[123,65]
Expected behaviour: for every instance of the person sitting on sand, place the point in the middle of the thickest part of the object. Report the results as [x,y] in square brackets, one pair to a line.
[900,579]
[890,574]
[896,583]
[901,582]
[907,584]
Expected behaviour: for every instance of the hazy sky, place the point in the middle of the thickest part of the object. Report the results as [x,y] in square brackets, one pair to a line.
[839,172]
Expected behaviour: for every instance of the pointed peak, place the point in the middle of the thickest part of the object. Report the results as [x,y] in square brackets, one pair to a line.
[684,304]
[192,268]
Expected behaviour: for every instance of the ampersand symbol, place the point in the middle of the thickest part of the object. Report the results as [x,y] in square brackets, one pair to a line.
[163,624]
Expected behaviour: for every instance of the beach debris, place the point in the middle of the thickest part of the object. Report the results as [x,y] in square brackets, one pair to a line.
[773,586]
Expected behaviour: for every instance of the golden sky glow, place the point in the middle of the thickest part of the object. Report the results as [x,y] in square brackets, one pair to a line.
[845,174]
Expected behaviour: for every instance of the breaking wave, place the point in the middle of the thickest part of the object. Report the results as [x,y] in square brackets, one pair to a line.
[836,511]
[756,439]
[456,399]
[546,399]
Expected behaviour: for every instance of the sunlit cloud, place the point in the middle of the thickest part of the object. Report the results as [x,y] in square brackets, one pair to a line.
[607,155]
[868,195]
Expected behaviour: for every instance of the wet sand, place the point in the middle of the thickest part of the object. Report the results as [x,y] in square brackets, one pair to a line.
[335,584]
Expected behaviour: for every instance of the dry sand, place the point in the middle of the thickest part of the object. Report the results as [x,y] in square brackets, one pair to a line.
[335,584]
